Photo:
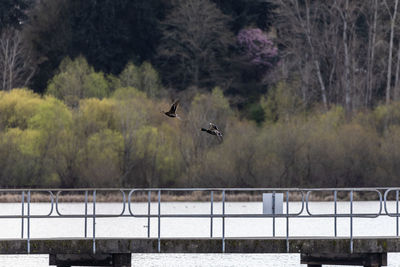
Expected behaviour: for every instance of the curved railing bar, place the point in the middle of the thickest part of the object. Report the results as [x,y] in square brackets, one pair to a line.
[91,215]
[129,201]
[123,201]
[345,215]
[40,216]
[52,203]
[385,200]
[57,211]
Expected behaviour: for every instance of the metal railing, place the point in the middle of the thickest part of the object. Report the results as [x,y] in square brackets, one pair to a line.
[382,196]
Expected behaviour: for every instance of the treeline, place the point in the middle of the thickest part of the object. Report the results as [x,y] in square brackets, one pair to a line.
[305,92]
[331,53]
[191,43]
[336,52]
[107,131]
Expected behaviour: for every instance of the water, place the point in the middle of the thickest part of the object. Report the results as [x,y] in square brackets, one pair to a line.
[191,227]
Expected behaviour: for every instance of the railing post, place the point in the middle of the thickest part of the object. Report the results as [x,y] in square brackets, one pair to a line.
[273,213]
[223,221]
[22,214]
[148,213]
[86,200]
[159,221]
[94,221]
[351,221]
[29,222]
[397,212]
[287,221]
[335,218]
[211,214]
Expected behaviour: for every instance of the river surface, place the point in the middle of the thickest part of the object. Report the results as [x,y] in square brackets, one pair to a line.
[194,227]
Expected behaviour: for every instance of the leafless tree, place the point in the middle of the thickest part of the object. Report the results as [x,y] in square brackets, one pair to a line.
[325,45]
[393,15]
[16,65]
[195,39]
[372,33]
[301,35]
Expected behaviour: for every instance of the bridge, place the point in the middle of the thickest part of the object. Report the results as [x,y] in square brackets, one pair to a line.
[95,248]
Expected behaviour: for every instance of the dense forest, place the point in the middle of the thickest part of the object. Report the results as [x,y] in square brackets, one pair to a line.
[306,93]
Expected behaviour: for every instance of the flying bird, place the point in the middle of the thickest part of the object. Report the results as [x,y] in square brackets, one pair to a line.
[172,112]
[213,129]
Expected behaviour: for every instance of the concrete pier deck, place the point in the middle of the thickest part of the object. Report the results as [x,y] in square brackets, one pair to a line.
[117,251]
[307,245]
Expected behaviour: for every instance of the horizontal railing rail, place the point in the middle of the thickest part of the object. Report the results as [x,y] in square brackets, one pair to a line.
[128,196]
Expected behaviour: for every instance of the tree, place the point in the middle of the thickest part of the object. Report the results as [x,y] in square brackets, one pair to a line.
[256,56]
[77,80]
[13,12]
[34,130]
[195,41]
[114,32]
[107,33]
[247,12]
[16,62]
[145,78]
[393,15]
[100,159]
[96,115]
[193,146]
[324,45]
[53,121]
[17,107]
[131,114]
[281,103]
[305,19]
[372,32]
[49,34]
[257,47]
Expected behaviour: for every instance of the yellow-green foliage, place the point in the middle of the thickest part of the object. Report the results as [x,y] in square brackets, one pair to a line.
[100,159]
[124,140]
[51,115]
[385,115]
[33,129]
[26,141]
[95,115]
[145,78]
[76,80]
[281,102]
[129,77]
[212,107]
[126,93]
[17,107]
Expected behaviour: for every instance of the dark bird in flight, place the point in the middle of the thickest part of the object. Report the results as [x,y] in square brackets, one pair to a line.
[172,112]
[213,129]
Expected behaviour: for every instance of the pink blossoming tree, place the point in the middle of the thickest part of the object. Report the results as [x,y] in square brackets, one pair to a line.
[257,47]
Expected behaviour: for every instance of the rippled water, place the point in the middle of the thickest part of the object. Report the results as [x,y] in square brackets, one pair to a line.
[173,227]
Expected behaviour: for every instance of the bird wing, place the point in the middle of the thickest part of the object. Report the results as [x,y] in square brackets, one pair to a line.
[174,106]
[213,127]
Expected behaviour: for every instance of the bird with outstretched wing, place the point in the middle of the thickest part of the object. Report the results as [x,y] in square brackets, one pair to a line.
[213,130]
[172,112]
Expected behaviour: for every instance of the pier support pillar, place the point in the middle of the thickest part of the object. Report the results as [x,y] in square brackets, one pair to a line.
[364,259]
[114,260]
[122,260]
